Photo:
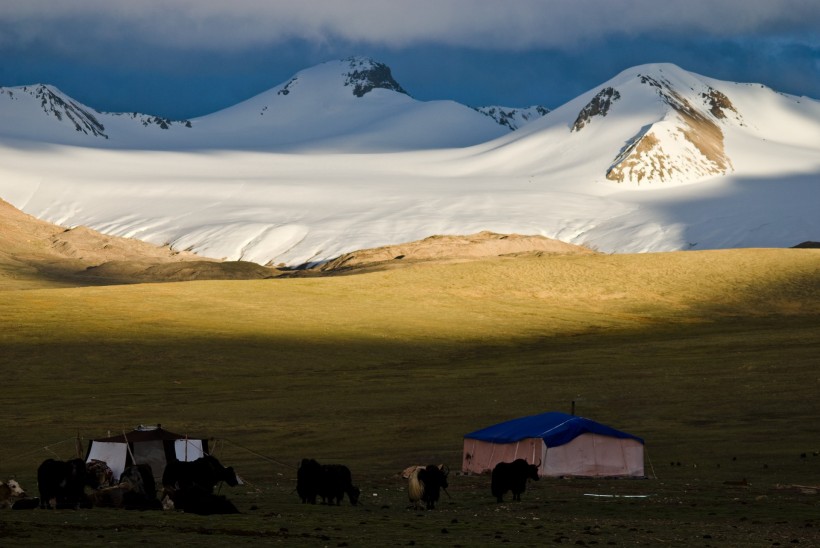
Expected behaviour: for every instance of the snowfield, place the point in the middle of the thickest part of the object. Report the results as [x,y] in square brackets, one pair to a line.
[304,176]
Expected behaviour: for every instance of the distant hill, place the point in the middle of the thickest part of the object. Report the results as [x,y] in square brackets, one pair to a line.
[40,252]
[449,249]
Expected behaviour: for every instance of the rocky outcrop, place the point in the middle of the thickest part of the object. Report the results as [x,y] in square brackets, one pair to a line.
[598,106]
[286,88]
[718,103]
[513,118]
[148,120]
[365,75]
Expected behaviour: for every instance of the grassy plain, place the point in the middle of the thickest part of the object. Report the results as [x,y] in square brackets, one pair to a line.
[711,356]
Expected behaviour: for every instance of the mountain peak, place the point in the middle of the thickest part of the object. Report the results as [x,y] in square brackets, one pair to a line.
[682,137]
[57,104]
[365,75]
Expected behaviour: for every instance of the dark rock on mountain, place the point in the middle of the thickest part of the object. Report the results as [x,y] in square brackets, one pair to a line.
[598,106]
[718,103]
[366,75]
[149,120]
[54,104]
[513,118]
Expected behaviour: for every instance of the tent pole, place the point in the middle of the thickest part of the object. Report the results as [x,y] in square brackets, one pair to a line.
[128,446]
[78,446]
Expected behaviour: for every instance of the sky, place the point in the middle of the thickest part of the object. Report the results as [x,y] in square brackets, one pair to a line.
[187,58]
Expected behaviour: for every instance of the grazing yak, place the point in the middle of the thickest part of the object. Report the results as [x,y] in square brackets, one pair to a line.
[336,481]
[329,481]
[62,483]
[189,486]
[512,476]
[425,484]
[10,491]
[307,480]
[201,475]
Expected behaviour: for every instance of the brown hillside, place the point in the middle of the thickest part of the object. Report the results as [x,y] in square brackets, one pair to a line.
[34,252]
[442,249]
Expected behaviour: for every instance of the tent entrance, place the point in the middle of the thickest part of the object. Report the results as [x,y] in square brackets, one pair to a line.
[480,457]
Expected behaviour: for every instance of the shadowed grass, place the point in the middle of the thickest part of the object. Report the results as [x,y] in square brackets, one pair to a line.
[711,357]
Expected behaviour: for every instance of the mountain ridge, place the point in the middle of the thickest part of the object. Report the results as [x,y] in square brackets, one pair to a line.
[275,118]
[654,159]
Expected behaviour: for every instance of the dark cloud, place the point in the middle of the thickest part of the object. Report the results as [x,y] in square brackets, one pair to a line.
[185,58]
[486,24]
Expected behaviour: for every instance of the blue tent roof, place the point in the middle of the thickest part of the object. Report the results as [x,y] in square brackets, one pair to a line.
[554,428]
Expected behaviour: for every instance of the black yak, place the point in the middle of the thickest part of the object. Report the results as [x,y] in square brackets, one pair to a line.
[329,481]
[62,483]
[201,475]
[512,476]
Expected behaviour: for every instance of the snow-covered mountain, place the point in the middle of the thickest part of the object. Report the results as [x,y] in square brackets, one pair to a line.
[43,113]
[660,125]
[340,158]
[349,105]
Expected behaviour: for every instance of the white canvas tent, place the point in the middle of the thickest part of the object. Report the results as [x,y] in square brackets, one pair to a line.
[145,445]
[564,445]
